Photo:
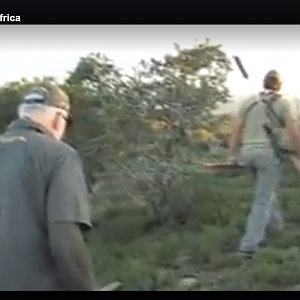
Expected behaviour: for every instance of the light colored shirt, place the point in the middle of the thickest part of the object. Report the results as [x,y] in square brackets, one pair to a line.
[255,113]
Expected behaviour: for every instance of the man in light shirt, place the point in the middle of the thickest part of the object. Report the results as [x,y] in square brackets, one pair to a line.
[257,134]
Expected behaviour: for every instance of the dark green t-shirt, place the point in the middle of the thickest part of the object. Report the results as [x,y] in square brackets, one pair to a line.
[41,181]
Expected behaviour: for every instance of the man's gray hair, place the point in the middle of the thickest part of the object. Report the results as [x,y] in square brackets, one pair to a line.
[29,110]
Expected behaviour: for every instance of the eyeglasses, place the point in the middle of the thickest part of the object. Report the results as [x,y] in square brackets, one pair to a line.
[68,119]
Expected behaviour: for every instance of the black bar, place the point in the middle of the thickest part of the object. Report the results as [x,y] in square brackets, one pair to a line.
[126,12]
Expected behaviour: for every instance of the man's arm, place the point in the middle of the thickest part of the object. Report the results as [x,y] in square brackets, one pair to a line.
[289,118]
[236,129]
[67,212]
[292,133]
[71,257]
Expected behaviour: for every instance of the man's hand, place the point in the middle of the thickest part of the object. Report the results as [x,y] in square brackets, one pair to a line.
[293,134]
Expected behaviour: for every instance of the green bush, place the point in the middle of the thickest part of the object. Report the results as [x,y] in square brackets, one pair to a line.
[130,246]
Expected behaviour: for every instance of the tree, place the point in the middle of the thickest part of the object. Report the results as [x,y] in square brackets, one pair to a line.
[115,129]
[122,151]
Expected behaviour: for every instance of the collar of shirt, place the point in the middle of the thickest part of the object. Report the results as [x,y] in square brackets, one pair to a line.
[27,124]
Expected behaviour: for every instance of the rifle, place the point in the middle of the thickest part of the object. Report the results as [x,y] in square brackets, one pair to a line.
[280,152]
[222,166]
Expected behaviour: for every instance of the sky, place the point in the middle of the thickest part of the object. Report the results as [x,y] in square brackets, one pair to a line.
[53,50]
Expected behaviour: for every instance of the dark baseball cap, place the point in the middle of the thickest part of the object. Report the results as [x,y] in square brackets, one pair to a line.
[50,95]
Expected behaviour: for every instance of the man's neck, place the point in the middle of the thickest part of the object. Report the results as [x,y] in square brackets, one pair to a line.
[37,124]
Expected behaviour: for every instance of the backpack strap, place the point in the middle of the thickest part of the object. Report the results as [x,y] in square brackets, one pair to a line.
[280,151]
[271,112]
[250,108]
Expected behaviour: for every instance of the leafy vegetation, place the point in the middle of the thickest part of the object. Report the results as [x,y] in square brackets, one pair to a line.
[160,222]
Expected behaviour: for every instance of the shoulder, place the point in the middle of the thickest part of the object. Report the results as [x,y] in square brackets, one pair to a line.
[285,106]
[246,104]
[51,153]
[283,102]
[250,100]
[279,102]
[60,151]
[53,147]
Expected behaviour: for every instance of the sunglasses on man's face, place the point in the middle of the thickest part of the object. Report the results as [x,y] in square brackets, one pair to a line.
[68,119]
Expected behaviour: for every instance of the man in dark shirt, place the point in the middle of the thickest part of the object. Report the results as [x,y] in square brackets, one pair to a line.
[43,201]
